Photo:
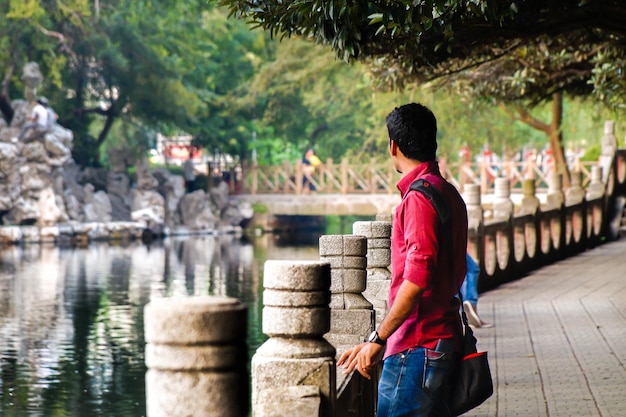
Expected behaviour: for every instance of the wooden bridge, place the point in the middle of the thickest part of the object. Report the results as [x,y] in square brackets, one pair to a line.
[373,177]
[368,188]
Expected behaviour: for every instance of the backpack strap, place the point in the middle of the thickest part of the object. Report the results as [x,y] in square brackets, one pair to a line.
[441,206]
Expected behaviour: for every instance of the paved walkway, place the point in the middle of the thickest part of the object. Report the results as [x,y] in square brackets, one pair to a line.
[558,347]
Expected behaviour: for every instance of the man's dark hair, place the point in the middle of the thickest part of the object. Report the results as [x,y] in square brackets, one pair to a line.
[413,127]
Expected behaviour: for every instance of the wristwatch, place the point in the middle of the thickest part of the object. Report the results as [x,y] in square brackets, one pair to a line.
[375,338]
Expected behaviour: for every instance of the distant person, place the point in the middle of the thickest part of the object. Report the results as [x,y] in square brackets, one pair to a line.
[189,174]
[469,291]
[38,117]
[310,162]
[547,160]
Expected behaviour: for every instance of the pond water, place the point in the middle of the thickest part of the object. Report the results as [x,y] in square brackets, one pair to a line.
[71,320]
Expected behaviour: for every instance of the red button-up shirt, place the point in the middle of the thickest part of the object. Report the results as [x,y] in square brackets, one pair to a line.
[419,254]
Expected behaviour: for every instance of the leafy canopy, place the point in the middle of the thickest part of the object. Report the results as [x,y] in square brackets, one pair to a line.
[523,49]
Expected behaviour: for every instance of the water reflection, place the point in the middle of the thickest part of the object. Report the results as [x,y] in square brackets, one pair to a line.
[71,320]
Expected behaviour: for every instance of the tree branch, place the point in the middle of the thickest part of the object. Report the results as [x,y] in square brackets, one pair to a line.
[524,116]
[62,40]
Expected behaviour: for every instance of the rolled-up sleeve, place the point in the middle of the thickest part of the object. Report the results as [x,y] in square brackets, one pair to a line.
[420,239]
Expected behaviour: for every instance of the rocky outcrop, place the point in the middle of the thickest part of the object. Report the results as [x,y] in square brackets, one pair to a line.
[29,168]
[41,185]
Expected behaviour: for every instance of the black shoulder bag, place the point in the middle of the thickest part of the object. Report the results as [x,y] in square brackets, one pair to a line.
[470,382]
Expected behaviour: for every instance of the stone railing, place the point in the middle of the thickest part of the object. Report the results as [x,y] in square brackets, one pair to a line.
[517,240]
[313,310]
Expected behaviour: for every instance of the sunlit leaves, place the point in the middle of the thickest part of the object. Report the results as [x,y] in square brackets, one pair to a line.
[532,50]
[608,77]
[25,9]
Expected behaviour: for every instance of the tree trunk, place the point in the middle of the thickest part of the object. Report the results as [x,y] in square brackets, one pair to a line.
[6,109]
[554,133]
[5,101]
[556,139]
[108,123]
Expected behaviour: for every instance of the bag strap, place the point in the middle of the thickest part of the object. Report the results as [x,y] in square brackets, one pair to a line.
[441,206]
[469,340]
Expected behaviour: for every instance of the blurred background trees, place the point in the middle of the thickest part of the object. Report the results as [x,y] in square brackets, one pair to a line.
[119,71]
[519,54]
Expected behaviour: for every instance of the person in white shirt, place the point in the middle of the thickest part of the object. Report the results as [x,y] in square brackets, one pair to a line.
[38,118]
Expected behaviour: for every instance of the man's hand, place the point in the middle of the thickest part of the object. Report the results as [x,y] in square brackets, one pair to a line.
[363,358]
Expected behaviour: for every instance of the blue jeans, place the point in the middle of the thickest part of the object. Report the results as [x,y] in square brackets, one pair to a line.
[412,384]
[469,289]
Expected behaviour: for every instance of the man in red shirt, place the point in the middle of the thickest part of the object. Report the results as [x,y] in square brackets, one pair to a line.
[422,329]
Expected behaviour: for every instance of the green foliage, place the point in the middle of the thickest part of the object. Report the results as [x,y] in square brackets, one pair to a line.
[148,65]
[608,76]
[232,55]
[341,225]
[118,73]
[307,97]
[497,48]
[259,208]
[592,153]
[498,52]
[85,151]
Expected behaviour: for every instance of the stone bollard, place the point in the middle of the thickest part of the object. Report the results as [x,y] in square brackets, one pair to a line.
[575,194]
[555,198]
[378,234]
[530,203]
[596,186]
[475,220]
[294,371]
[475,213]
[502,204]
[197,357]
[351,315]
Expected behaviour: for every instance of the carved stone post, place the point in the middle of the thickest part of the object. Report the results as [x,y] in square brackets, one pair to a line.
[502,204]
[378,234]
[196,356]
[530,203]
[575,194]
[555,198]
[295,368]
[596,186]
[351,315]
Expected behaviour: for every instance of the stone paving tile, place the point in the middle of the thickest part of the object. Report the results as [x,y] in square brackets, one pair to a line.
[561,376]
[558,345]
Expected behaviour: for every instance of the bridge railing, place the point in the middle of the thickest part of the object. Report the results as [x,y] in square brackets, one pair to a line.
[373,177]
[344,178]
